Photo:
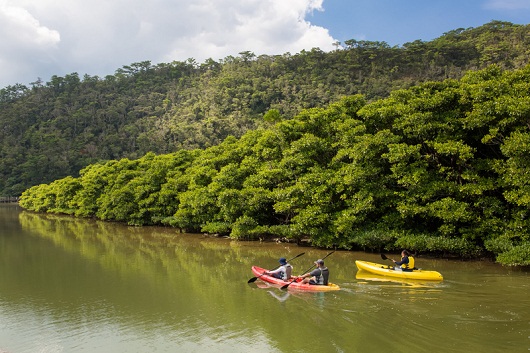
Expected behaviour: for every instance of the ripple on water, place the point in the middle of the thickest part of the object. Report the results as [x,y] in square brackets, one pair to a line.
[40,327]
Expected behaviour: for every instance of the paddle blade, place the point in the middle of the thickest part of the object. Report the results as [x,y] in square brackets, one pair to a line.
[383,256]
[252,280]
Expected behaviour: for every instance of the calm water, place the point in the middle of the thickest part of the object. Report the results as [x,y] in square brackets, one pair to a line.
[70,285]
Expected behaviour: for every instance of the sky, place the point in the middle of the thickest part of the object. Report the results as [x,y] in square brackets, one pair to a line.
[43,38]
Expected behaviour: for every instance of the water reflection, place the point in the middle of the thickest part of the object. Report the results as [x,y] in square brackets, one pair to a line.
[313,299]
[280,297]
[71,285]
[274,291]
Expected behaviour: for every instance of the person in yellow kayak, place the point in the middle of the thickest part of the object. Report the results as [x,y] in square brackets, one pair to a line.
[406,263]
[283,272]
[318,276]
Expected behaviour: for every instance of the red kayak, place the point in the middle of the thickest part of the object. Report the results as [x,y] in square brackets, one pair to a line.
[296,285]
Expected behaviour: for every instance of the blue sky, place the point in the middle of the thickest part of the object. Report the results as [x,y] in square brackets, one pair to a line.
[42,38]
[400,21]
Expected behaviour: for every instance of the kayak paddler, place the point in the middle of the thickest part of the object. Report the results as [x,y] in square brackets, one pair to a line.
[406,263]
[318,276]
[283,272]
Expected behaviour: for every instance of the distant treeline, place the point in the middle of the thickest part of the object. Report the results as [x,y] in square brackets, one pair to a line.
[53,129]
[440,168]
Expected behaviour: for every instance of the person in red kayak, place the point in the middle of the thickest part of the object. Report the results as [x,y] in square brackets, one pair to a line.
[406,263]
[283,272]
[318,276]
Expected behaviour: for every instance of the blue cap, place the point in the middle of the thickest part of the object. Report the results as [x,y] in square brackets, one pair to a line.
[283,261]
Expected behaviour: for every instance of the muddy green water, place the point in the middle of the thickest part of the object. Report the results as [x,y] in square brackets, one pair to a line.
[70,285]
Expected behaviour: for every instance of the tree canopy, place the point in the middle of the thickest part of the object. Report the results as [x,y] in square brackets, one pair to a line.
[53,129]
[440,167]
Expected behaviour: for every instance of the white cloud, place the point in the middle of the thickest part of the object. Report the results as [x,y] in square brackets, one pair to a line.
[263,27]
[25,42]
[41,38]
[22,27]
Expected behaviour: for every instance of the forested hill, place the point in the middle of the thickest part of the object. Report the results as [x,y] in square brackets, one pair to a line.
[53,129]
[441,167]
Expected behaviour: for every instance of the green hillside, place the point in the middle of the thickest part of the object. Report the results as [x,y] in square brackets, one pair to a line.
[440,168]
[53,129]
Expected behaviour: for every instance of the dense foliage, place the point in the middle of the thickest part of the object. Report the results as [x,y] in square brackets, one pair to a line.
[441,167]
[54,129]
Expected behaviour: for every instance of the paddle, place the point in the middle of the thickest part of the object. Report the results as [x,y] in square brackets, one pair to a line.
[306,271]
[383,256]
[253,279]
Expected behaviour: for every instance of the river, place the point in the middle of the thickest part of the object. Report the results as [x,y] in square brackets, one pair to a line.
[76,285]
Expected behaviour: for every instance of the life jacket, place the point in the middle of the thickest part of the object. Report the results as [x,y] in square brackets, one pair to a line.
[410,265]
[285,275]
[288,271]
[322,279]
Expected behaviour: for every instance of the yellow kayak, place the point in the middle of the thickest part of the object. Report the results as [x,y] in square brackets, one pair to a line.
[389,271]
